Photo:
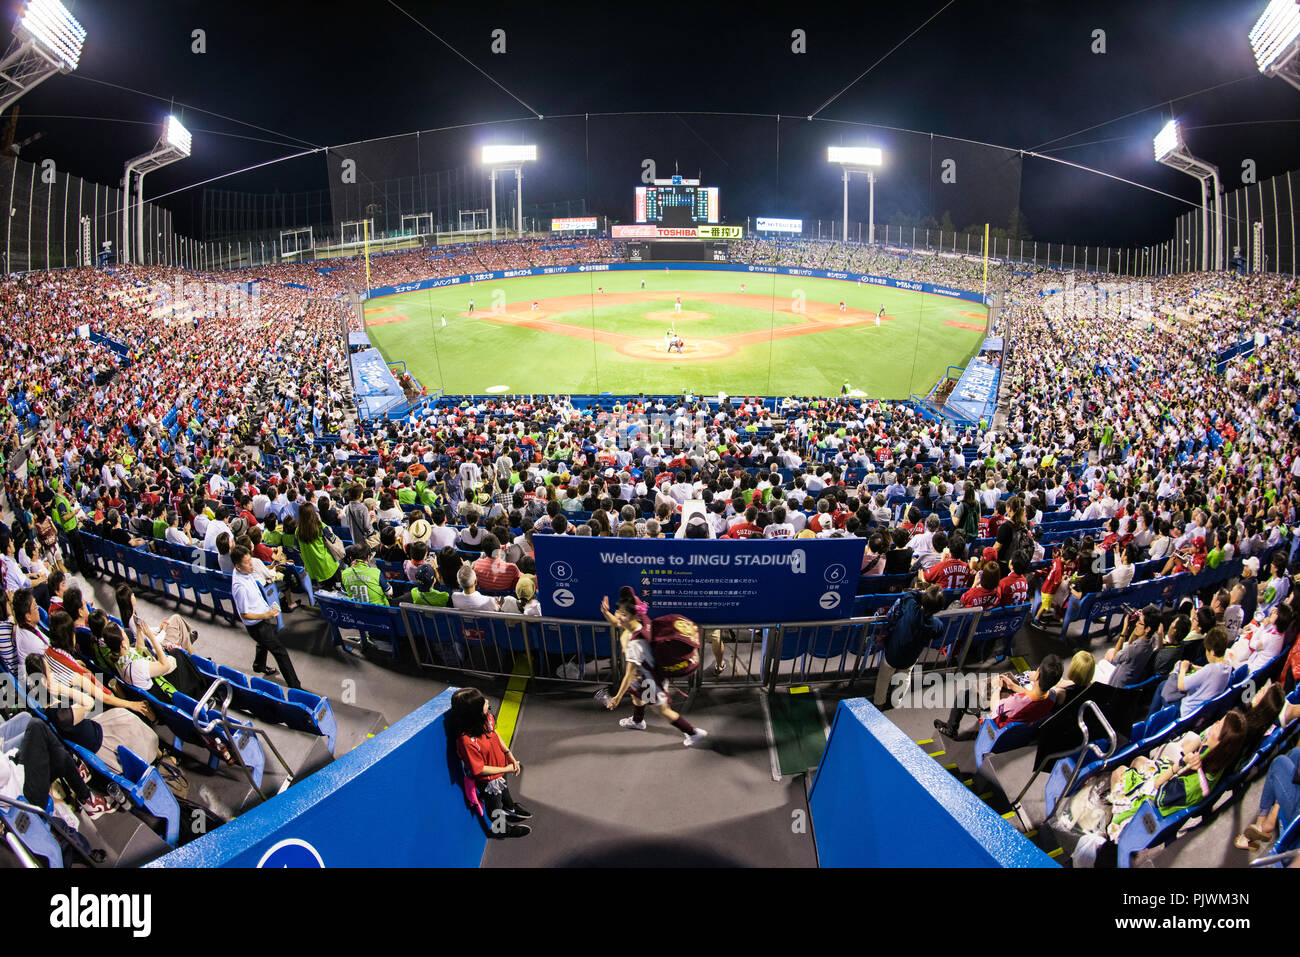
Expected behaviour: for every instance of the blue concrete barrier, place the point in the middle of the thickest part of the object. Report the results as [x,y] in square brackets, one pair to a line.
[390,802]
[880,801]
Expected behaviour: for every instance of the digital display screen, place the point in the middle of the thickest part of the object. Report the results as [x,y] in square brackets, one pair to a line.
[677,205]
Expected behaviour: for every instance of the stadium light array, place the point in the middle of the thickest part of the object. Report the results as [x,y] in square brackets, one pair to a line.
[503,157]
[1275,40]
[1167,140]
[47,40]
[177,136]
[508,155]
[1170,151]
[858,159]
[864,156]
[173,144]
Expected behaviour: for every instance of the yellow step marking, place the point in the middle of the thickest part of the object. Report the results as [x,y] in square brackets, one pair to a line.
[1055,853]
[935,754]
[801,689]
[511,702]
[926,741]
[1009,815]
[950,767]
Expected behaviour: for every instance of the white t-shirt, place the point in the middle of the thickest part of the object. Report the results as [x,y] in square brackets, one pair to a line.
[1121,576]
[477,601]
[29,643]
[784,530]
[440,536]
[210,534]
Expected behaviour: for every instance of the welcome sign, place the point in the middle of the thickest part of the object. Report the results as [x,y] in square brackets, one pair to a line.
[709,581]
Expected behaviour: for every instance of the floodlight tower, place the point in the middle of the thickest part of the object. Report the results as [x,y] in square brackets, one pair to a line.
[858,159]
[47,40]
[499,158]
[1275,39]
[1171,152]
[174,144]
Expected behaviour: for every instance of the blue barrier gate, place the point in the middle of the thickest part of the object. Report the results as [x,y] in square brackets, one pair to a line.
[880,801]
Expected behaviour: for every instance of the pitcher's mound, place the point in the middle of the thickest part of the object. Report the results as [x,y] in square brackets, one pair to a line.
[669,315]
[694,350]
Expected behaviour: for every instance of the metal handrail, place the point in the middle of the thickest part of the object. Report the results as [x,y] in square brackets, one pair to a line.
[1088,746]
[1268,860]
[206,730]
[71,838]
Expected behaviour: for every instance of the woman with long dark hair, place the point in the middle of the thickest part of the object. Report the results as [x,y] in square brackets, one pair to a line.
[313,546]
[172,631]
[487,760]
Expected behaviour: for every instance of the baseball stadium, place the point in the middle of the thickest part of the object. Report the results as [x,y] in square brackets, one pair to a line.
[510,462]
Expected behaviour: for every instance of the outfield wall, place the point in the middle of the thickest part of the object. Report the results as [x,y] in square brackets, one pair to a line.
[946,291]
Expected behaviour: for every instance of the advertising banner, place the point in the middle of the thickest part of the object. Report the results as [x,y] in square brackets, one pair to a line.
[652,232]
[709,581]
[573,224]
[768,224]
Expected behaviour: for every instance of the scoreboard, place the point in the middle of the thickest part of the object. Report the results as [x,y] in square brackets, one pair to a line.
[681,203]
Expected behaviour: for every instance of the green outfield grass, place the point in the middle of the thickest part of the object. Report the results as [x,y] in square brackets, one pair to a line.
[908,353]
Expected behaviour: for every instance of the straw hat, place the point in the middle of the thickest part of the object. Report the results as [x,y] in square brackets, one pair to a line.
[419,531]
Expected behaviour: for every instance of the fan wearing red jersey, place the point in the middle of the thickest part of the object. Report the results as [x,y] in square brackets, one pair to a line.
[1014,589]
[952,570]
[984,594]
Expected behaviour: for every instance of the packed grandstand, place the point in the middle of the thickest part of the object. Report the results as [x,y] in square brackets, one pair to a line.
[1126,526]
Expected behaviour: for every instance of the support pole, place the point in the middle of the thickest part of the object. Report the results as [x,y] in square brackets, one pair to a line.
[845,234]
[871,207]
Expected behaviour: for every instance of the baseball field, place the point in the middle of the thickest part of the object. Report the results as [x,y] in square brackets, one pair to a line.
[743,333]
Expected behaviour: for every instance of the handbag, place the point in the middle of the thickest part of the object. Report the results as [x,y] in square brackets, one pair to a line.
[333,544]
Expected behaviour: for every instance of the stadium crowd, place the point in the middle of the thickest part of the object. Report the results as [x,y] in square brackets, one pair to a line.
[205,433]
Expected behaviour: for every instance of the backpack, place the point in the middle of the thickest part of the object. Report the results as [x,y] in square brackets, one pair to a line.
[966,520]
[1022,543]
[675,644]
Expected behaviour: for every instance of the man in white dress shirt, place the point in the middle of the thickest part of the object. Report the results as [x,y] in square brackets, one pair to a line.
[258,616]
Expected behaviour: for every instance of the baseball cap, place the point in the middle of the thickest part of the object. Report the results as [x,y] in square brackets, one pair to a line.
[1253,564]
[425,577]
[990,554]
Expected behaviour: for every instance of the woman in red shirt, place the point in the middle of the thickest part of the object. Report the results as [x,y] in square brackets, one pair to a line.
[487,760]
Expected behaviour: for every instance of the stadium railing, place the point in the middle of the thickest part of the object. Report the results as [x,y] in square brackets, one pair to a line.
[586,652]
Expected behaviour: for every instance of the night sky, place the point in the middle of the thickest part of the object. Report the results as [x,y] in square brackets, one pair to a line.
[1016,74]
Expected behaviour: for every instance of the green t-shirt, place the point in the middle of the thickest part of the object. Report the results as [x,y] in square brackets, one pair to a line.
[316,558]
[434,596]
[362,582]
[406,496]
